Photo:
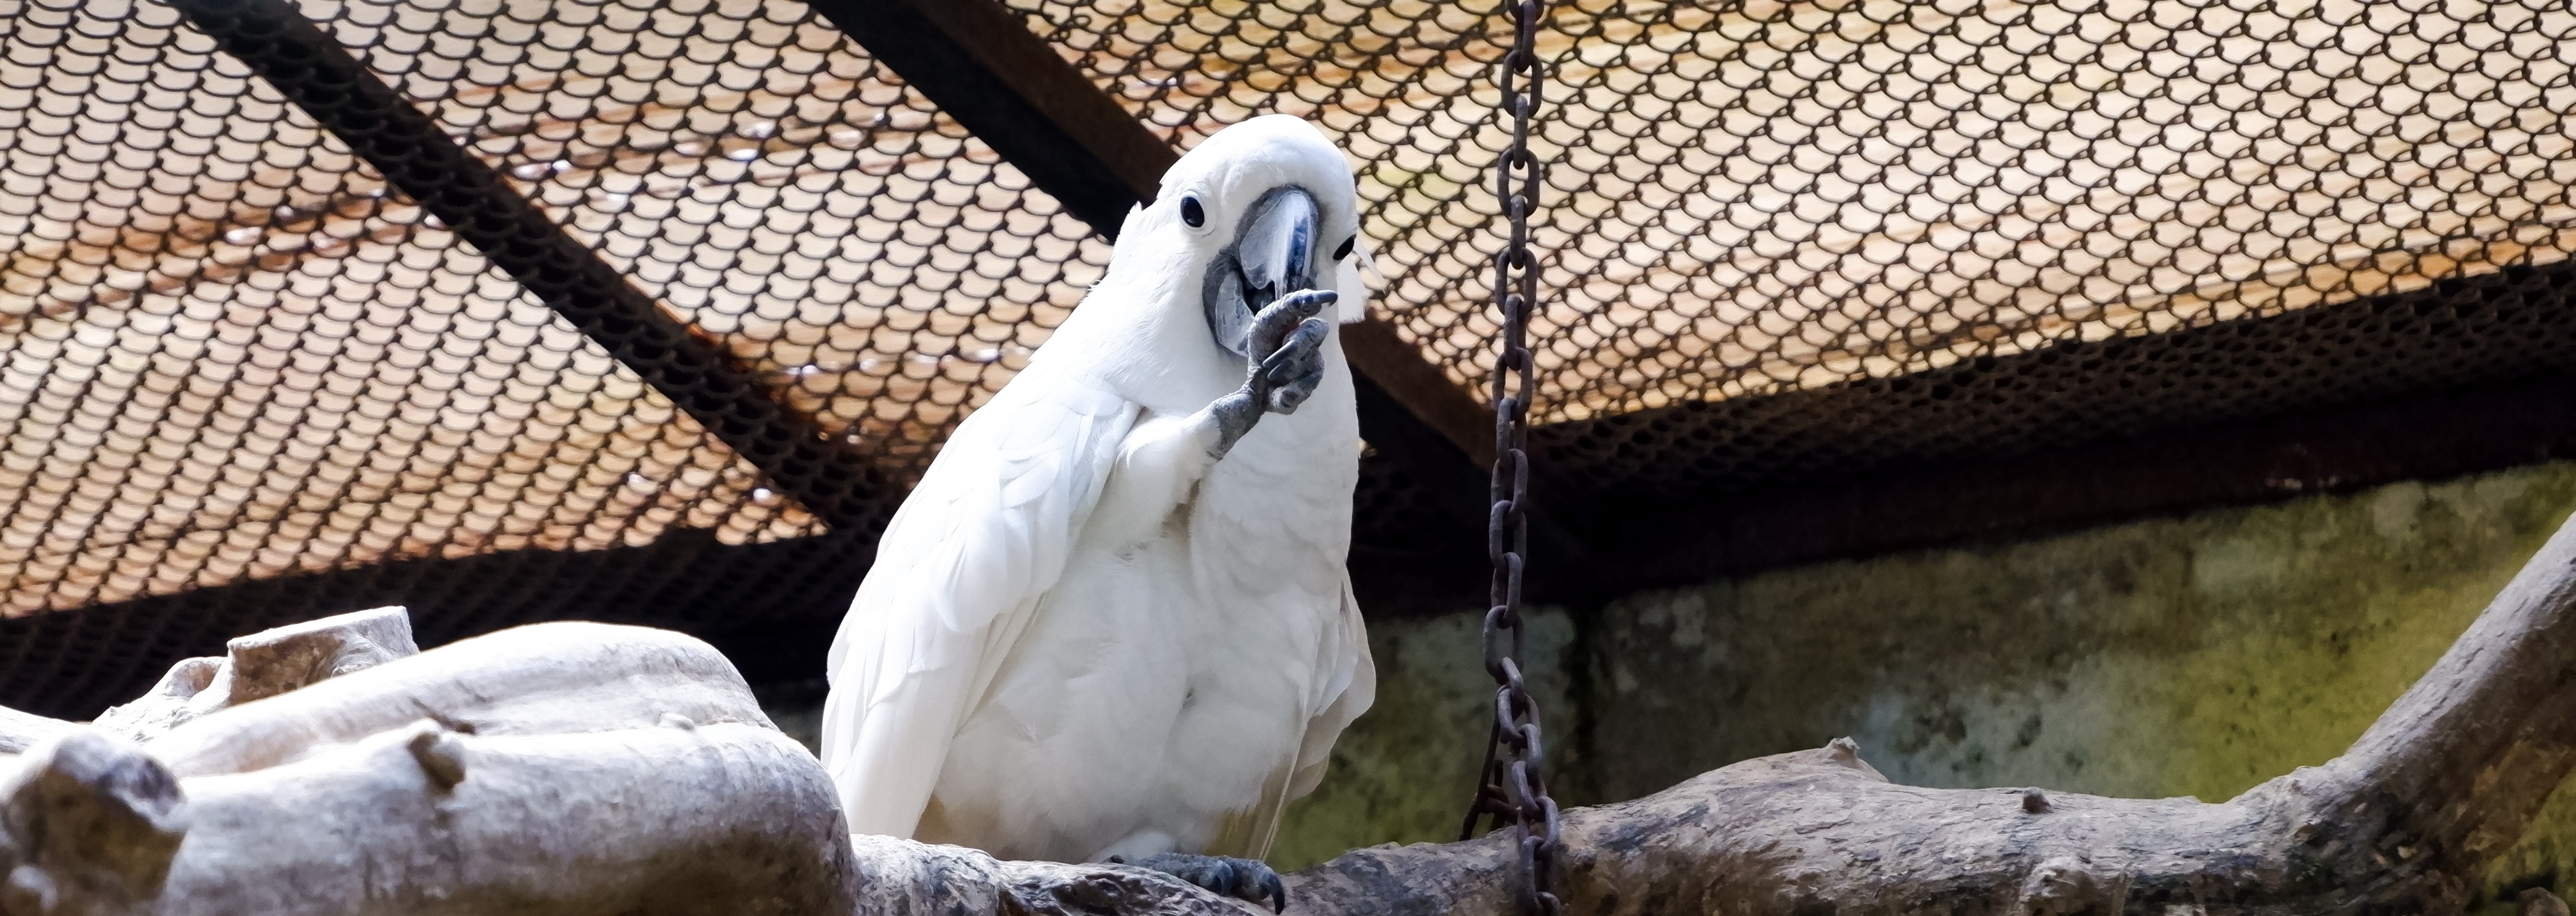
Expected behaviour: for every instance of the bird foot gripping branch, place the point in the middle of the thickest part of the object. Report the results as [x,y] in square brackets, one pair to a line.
[1242,879]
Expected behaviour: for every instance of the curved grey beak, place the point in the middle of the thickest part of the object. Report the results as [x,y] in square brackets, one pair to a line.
[1273,254]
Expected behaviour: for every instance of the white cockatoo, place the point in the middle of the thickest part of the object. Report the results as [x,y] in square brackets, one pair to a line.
[1113,621]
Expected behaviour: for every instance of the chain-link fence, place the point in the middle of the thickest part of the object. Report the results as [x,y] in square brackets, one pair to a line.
[1762,197]
[1783,242]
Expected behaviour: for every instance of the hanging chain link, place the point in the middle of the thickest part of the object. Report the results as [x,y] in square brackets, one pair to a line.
[1513,787]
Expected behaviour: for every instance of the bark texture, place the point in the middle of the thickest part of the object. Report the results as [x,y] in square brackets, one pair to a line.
[583,768]
[903,877]
[332,768]
[264,664]
[20,731]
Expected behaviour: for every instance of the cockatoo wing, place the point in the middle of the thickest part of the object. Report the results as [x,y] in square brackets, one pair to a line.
[1339,698]
[1345,685]
[959,572]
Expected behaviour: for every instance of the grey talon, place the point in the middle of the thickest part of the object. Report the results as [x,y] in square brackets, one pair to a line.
[1296,368]
[1289,342]
[1242,879]
[1276,320]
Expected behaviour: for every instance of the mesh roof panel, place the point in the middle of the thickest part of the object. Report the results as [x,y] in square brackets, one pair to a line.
[226,351]
[1760,197]
[760,175]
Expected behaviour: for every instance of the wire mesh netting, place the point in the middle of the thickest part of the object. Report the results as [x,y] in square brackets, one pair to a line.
[230,352]
[764,179]
[1759,197]
[235,353]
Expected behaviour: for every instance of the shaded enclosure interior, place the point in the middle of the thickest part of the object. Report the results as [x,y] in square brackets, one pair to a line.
[1825,280]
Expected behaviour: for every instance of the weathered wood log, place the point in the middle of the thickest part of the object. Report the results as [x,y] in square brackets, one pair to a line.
[264,664]
[20,731]
[679,819]
[2401,823]
[541,679]
[589,731]
[329,768]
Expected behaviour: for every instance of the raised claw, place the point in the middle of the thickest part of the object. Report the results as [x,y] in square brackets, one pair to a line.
[1271,327]
[1287,341]
[1294,370]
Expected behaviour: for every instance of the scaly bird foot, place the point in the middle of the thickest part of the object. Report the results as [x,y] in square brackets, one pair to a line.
[1287,343]
[1242,879]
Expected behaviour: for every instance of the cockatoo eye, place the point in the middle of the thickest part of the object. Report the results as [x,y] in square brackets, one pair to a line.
[1192,213]
[1344,250]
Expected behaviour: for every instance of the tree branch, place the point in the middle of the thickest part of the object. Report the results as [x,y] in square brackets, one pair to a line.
[2445,781]
[615,769]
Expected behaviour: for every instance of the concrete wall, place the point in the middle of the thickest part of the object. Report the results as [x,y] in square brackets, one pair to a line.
[2188,656]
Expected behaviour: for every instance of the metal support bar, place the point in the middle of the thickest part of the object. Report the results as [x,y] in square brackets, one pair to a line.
[976,61]
[318,75]
[1398,371]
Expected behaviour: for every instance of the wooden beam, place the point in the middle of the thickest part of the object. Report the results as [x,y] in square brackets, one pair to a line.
[976,61]
[2160,472]
[1439,404]
[2468,374]
[2426,437]
[319,76]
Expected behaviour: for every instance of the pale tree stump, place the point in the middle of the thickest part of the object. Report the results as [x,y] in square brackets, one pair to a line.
[332,768]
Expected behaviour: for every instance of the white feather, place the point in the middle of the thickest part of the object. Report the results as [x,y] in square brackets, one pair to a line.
[1356,278]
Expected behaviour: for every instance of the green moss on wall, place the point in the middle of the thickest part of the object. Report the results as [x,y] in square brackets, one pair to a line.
[2187,656]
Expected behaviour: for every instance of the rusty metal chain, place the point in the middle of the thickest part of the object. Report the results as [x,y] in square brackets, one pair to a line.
[1514,787]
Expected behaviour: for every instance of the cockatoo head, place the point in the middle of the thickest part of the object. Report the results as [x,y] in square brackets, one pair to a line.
[1259,210]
